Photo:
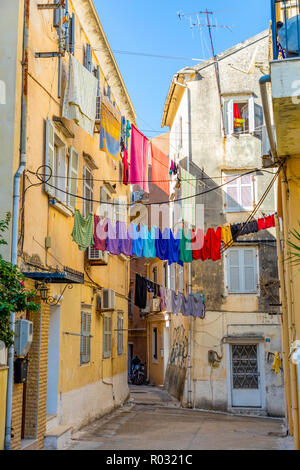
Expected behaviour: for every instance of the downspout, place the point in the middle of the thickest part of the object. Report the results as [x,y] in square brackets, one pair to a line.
[266,109]
[285,332]
[15,220]
[189,366]
[291,322]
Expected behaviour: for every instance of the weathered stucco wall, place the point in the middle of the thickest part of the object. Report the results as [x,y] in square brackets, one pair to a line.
[211,154]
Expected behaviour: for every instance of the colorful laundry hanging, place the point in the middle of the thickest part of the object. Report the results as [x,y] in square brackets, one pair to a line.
[140,298]
[162,244]
[185,246]
[226,235]
[100,232]
[110,132]
[125,167]
[139,159]
[266,222]
[83,230]
[160,169]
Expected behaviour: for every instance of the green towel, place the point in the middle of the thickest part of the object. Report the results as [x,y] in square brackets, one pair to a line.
[185,247]
[83,230]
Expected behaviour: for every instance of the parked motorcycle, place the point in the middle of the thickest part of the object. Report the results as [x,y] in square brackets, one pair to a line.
[137,372]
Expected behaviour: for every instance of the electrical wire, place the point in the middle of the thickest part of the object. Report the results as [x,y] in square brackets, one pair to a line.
[145,203]
[201,178]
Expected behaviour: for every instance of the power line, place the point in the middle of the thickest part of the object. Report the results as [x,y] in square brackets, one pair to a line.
[145,203]
[201,178]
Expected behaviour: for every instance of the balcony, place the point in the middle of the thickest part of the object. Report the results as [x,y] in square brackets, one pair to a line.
[285,75]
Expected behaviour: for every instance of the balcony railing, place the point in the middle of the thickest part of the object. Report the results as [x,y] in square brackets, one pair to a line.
[285,28]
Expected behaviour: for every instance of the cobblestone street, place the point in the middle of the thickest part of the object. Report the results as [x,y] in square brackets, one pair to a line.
[153,420]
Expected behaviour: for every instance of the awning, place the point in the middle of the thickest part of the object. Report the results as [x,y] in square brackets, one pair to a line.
[68,275]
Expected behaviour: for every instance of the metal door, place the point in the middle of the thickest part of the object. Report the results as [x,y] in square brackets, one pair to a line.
[245,376]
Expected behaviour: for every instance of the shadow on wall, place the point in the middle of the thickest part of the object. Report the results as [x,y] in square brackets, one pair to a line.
[177,365]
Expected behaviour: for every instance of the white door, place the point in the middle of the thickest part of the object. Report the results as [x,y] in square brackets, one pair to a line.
[245,376]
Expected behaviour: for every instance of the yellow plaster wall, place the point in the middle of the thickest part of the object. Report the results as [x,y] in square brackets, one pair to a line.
[3,388]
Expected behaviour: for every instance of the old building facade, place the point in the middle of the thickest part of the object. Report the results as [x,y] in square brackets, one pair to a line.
[78,358]
[233,347]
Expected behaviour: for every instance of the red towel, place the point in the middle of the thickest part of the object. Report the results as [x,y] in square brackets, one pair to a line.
[216,244]
[99,234]
[139,159]
[266,222]
[160,169]
[197,243]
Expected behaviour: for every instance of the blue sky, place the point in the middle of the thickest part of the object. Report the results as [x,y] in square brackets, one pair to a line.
[154,27]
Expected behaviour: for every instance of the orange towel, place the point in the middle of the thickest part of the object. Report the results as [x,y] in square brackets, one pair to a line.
[160,169]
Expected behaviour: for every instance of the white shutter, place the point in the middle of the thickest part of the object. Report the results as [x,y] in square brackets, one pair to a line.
[249,262]
[60,171]
[72,177]
[246,192]
[173,277]
[232,193]
[120,210]
[230,127]
[233,270]
[49,156]
[251,115]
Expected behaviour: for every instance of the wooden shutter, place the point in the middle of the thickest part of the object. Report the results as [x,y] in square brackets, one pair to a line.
[173,277]
[98,79]
[249,262]
[49,156]
[246,192]
[85,338]
[251,115]
[228,117]
[56,15]
[233,270]
[72,34]
[232,194]
[72,177]
[88,57]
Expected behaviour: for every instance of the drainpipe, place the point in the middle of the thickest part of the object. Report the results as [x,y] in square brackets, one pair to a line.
[285,332]
[15,220]
[267,114]
[291,319]
[189,382]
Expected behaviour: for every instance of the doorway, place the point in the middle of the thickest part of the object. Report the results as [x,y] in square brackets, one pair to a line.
[53,360]
[245,368]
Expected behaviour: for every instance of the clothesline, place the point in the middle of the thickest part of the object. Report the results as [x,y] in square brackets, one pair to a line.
[140,242]
[170,301]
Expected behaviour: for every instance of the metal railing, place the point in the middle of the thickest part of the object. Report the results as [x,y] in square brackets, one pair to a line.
[285,28]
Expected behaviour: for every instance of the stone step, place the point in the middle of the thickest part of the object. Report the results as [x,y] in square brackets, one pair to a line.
[52,422]
[58,438]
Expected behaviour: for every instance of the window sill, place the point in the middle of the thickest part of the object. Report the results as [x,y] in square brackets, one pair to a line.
[61,207]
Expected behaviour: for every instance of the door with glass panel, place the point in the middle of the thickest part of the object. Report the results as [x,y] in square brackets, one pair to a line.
[245,376]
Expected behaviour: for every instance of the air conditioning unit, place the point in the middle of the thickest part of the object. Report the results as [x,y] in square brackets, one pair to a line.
[3,354]
[97,256]
[107,299]
[155,304]
[23,337]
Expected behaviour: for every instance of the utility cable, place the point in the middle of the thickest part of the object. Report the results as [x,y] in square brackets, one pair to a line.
[134,203]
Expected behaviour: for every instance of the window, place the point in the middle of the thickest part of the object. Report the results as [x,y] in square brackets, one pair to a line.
[165,274]
[154,274]
[85,338]
[180,278]
[106,335]
[154,343]
[239,192]
[87,187]
[120,209]
[241,270]
[60,166]
[239,115]
[88,57]
[105,209]
[120,336]
[173,277]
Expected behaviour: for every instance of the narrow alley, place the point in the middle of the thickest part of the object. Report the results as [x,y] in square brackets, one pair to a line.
[151,419]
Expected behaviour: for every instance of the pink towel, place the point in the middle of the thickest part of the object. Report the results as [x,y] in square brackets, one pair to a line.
[139,159]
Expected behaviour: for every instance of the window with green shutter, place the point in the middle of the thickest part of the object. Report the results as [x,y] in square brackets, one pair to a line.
[85,338]
[120,335]
[107,335]
[72,177]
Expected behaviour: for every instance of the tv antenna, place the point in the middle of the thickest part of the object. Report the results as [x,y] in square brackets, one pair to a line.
[209,25]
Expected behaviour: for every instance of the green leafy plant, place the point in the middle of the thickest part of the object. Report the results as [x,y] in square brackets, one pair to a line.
[13,295]
[294,257]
